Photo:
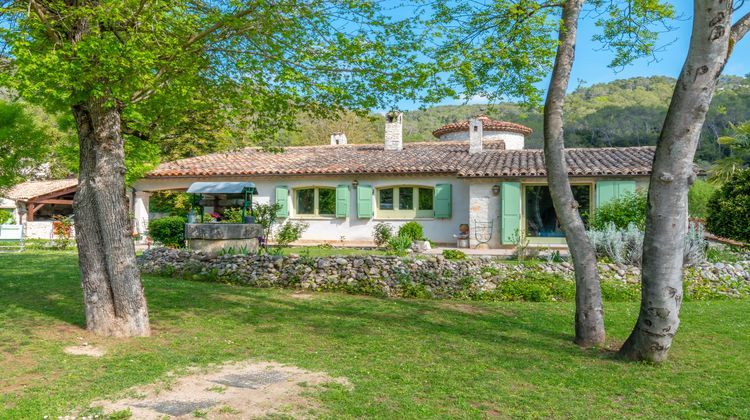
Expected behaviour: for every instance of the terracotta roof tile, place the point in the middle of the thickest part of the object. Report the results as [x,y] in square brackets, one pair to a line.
[488,124]
[31,189]
[415,158]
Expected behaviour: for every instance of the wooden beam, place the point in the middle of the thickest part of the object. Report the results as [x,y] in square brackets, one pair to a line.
[32,208]
[54,194]
[54,201]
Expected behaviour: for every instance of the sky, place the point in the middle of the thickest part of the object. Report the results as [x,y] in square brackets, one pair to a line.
[591,62]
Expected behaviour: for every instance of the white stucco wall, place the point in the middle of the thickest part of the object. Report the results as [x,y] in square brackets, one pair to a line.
[352,229]
[513,141]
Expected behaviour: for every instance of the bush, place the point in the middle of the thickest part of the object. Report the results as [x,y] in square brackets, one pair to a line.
[411,230]
[621,246]
[729,208]
[290,232]
[454,254]
[398,245]
[170,231]
[382,233]
[622,211]
[625,246]
[6,217]
[232,215]
[698,196]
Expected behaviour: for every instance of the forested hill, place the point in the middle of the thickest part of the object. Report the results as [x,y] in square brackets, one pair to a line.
[627,112]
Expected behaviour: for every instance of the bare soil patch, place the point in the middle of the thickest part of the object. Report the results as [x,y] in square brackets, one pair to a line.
[84,350]
[234,390]
[302,295]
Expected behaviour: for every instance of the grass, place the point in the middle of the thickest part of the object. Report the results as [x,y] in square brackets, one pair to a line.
[404,358]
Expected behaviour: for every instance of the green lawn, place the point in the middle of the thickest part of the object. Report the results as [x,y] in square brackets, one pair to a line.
[405,358]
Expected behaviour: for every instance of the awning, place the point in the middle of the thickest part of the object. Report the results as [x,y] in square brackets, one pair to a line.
[222,188]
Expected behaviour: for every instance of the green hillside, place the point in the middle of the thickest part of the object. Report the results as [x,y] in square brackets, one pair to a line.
[627,112]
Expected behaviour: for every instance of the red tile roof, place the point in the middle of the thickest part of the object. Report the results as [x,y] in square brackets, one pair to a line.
[415,158]
[488,124]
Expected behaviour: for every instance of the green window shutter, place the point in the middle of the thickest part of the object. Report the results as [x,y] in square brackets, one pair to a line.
[443,201]
[342,201]
[510,216]
[364,201]
[282,199]
[609,190]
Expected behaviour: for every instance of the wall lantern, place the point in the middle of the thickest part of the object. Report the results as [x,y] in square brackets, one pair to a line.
[495,189]
[355,183]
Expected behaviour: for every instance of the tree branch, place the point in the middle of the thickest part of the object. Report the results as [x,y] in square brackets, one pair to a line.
[144,94]
[43,18]
[739,30]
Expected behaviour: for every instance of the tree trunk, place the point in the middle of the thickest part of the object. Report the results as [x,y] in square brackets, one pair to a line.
[589,321]
[113,295]
[671,177]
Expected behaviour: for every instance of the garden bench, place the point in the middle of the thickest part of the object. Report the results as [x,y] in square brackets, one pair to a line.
[11,238]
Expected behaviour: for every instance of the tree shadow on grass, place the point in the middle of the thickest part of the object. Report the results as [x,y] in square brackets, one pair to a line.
[49,286]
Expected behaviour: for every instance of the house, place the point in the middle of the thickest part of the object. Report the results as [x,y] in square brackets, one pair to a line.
[478,173]
[34,203]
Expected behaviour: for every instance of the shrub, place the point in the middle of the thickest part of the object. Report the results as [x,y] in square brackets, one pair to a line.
[382,233]
[454,254]
[535,287]
[698,196]
[62,227]
[265,216]
[729,208]
[622,211]
[290,232]
[621,246]
[411,230]
[398,245]
[6,217]
[625,246]
[232,215]
[170,231]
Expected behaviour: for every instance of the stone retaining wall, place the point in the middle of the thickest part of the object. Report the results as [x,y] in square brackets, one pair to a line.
[433,277]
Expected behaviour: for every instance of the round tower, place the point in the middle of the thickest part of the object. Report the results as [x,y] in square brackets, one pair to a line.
[512,134]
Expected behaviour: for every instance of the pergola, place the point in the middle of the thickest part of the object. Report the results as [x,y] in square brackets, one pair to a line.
[64,196]
[37,194]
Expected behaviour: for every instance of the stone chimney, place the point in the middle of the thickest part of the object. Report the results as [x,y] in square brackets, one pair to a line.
[475,135]
[338,138]
[394,131]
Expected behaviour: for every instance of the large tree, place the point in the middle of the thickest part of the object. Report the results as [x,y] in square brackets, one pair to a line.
[153,69]
[714,36]
[501,47]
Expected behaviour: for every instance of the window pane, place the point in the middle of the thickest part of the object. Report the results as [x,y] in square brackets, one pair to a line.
[582,194]
[406,198]
[306,201]
[327,201]
[385,200]
[425,198]
[541,220]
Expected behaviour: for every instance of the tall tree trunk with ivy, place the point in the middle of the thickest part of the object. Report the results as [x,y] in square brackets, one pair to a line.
[712,41]
[589,318]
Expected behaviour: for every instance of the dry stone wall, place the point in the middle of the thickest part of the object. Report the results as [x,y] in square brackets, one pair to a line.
[431,277]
